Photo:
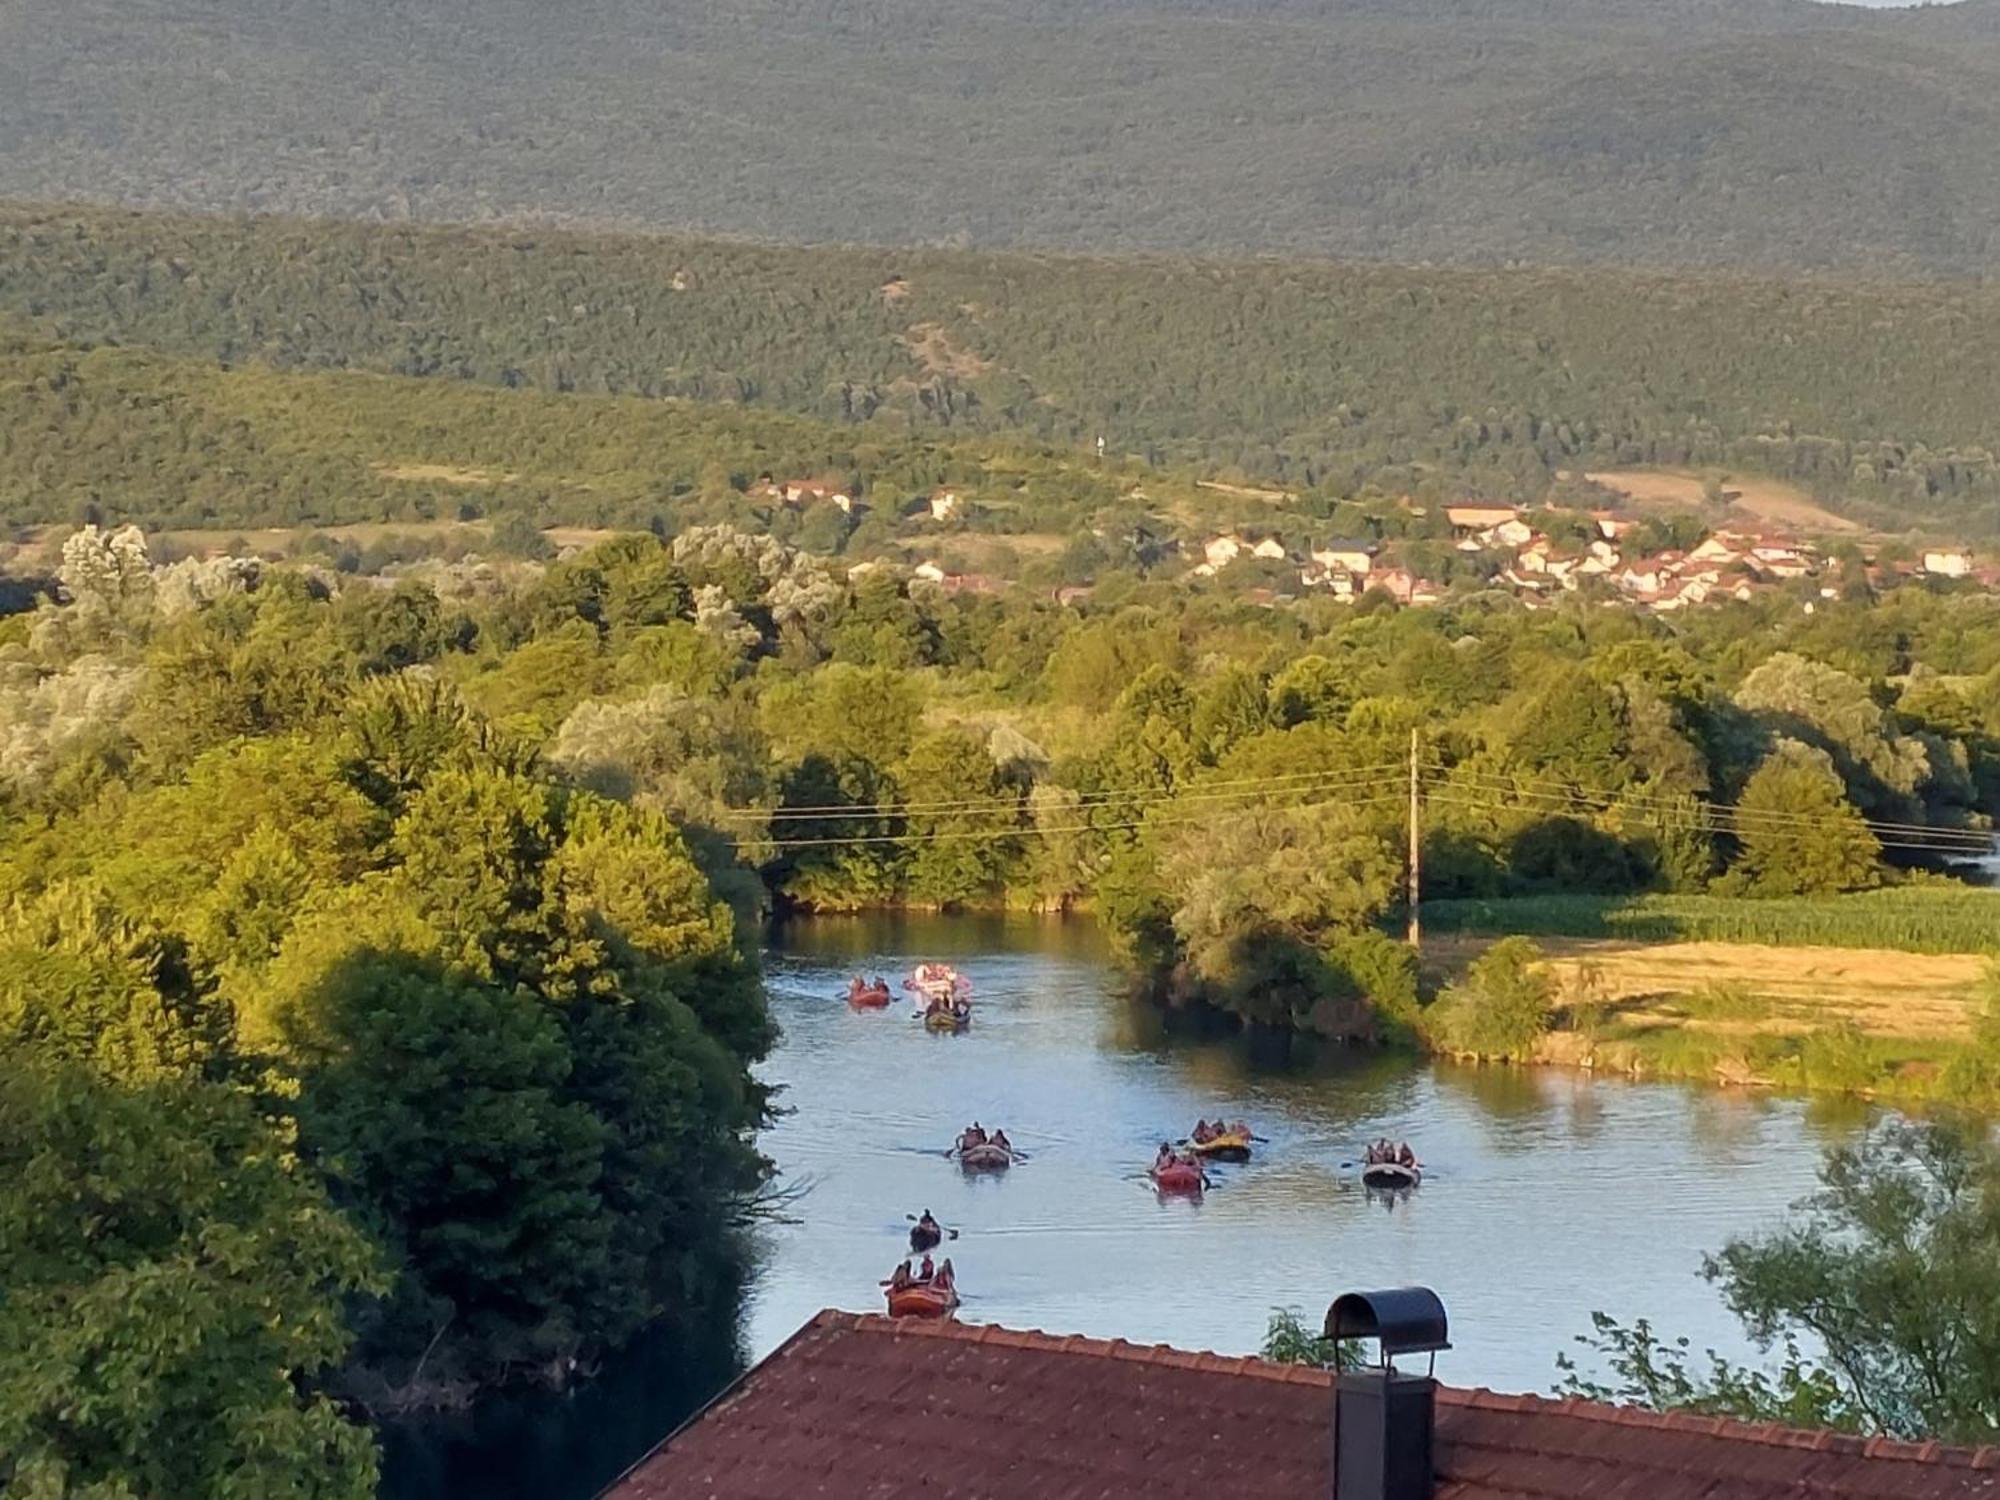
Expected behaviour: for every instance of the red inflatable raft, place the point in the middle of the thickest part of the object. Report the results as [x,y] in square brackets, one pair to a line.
[922,1301]
[1180,1177]
[867,997]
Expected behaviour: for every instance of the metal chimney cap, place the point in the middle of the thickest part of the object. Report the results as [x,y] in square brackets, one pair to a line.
[1406,1320]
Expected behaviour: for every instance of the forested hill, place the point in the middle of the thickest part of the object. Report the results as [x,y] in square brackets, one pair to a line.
[1883,398]
[1667,133]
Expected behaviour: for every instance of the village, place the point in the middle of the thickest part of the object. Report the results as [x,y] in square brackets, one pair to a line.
[1514,553]
[1535,554]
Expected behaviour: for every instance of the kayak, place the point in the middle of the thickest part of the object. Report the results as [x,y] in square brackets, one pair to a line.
[1181,1177]
[987,1158]
[1391,1174]
[944,1020]
[924,1237]
[921,1301]
[1230,1147]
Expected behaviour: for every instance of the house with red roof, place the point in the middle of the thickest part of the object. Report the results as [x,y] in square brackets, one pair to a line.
[855,1405]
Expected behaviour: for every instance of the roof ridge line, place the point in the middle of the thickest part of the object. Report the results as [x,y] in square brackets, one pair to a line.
[1928,1451]
[1765,1434]
[1076,1343]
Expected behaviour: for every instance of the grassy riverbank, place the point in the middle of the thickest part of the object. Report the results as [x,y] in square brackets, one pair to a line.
[1879,1023]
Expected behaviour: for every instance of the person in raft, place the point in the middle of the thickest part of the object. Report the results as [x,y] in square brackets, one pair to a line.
[1201,1133]
[899,1279]
[926,1272]
[1405,1156]
[974,1136]
[945,1280]
[1000,1139]
[1165,1159]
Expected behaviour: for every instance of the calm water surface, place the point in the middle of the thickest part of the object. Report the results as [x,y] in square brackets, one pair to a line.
[1548,1195]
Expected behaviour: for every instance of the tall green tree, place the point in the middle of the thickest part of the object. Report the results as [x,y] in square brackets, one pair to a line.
[171,1297]
[1231,708]
[1879,1291]
[1799,834]
[956,831]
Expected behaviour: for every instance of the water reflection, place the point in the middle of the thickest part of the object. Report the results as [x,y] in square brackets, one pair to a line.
[544,1445]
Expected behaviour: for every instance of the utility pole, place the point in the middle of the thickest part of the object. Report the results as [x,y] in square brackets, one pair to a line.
[1416,849]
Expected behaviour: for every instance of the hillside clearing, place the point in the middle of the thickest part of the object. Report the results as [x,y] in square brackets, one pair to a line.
[1750,498]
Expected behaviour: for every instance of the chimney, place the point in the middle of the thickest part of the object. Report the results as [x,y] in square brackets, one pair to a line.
[1383,1419]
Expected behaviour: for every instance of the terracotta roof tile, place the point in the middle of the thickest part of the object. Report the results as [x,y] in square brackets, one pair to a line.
[860,1406]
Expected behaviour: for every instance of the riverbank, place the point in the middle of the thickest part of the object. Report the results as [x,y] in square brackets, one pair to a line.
[1875,1023]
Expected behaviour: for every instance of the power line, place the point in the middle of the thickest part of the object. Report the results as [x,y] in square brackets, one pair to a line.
[1663,818]
[996,835]
[1510,783]
[832,812]
[1727,818]
[1720,819]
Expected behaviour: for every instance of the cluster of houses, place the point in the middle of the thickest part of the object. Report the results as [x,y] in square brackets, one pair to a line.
[1725,565]
[1512,551]
[1344,568]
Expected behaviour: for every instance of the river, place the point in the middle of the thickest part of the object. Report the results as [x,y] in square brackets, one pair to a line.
[1549,1194]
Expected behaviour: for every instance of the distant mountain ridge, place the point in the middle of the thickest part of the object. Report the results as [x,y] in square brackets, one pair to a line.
[1745,133]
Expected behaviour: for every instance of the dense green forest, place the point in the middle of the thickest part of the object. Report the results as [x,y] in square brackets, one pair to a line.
[1681,132]
[1879,398]
[114,435]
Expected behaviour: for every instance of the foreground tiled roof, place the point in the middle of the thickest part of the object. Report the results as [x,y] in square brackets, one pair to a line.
[855,1406]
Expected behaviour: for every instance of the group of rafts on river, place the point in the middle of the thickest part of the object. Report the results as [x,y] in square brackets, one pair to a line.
[944,1003]
[944,996]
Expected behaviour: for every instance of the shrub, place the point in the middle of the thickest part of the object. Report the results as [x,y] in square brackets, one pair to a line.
[1382,971]
[1839,1059]
[1288,1341]
[1500,1009]
[1726,1002]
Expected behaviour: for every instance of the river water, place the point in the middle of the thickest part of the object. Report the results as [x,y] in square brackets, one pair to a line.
[1549,1194]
